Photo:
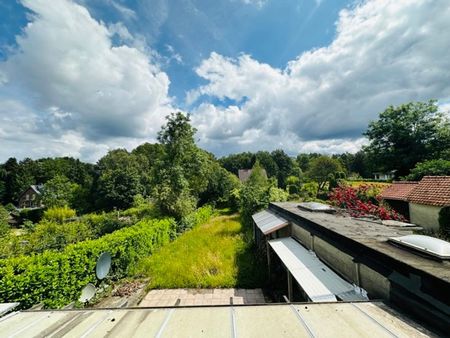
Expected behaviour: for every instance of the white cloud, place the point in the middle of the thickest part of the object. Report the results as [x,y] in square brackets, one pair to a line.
[385,52]
[76,82]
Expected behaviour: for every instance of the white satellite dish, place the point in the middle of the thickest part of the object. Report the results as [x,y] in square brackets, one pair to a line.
[87,293]
[103,265]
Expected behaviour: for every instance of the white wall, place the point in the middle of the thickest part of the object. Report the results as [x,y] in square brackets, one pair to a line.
[426,216]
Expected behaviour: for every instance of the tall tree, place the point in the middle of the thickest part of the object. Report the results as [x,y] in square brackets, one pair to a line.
[323,169]
[181,176]
[408,134]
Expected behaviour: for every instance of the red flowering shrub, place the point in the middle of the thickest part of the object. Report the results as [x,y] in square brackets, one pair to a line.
[362,202]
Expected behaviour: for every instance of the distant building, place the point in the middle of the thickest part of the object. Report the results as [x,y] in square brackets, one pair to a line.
[384,176]
[31,197]
[244,174]
[427,199]
[396,195]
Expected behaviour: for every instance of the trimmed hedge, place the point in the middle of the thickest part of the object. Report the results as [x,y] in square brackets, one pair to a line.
[199,216]
[56,278]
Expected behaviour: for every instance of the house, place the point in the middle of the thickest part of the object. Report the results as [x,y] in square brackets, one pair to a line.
[396,196]
[244,174]
[31,197]
[384,176]
[427,199]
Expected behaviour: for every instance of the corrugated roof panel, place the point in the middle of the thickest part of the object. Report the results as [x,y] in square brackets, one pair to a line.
[318,281]
[269,222]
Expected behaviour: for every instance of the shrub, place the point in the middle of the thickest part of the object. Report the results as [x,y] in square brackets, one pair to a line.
[56,278]
[52,235]
[309,190]
[200,216]
[104,223]
[278,195]
[59,214]
[33,215]
[444,220]
[351,199]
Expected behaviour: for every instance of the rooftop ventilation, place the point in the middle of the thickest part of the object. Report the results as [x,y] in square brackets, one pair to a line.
[429,245]
[316,207]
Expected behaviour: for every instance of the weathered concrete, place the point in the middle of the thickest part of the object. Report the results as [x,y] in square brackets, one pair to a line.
[359,250]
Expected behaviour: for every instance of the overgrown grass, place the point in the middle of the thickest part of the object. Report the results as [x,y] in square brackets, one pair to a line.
[216,254]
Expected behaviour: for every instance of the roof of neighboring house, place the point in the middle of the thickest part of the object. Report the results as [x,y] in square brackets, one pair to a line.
[432,190]
[37,188]
[399,190]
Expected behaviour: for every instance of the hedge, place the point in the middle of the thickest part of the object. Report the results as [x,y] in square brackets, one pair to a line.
[56,278]
[199,216]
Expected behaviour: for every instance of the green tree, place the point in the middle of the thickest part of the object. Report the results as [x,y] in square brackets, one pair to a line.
[59,192]
[4,224]
[182,174]
[284,164]
[429,168]
[120,179]
[408,134]
[255,194]
[322,169]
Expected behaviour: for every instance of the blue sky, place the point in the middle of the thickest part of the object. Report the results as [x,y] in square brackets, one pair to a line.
[81,77]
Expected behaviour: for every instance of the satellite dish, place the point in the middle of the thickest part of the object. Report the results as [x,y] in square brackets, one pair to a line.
[103,265]
[87,293]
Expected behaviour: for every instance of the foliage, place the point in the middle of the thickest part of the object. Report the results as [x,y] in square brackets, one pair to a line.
[255,195]
[200,216]
[309,190]
[212,255]
[360,202]
[50,235]
[408,134]
[221,184]
[278,195]
[58,214]
[119,180]
[4,222]
[33,215]
[181,175]
[104,223]
[444,221]
[56,278]
[429,168]
[322,169]
[59,192]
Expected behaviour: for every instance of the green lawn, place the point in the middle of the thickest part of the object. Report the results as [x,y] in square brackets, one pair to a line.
[212,255]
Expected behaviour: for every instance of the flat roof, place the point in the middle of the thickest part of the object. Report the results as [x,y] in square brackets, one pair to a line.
[268,222]
[369,234]
[319,282]
[362,319]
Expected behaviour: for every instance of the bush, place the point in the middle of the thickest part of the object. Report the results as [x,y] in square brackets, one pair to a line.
[444,220]
[59,214]
[33,215]
[48,235]
[56,278]
[105,223]
[200,216]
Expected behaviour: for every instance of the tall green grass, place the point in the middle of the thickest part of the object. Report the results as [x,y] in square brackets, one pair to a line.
[212,255]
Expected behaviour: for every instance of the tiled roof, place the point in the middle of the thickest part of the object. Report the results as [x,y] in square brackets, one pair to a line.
[399,190]
[432,190]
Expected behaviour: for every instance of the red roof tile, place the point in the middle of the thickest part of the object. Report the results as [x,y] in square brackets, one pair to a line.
[432,190]
[399,190]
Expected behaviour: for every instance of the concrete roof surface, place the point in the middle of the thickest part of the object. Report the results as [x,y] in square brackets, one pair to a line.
[370,234]
[363,319]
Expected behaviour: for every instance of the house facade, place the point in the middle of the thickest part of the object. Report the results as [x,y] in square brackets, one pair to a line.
[427,199]
[31,197]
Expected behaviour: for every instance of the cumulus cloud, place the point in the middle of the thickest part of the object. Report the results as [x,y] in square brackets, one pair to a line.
[385,52]
[76,82]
